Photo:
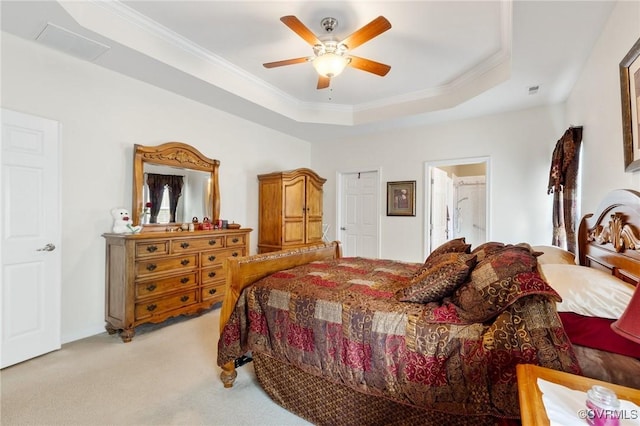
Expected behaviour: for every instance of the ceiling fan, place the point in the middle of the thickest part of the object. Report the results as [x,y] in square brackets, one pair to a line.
[331,56]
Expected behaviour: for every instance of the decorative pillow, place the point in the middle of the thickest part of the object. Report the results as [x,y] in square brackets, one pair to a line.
[486,249]
[552,254]
[588,291]
[491,247]
[469,259]
[457,245]
[533,251]
[497,281]
[439,280]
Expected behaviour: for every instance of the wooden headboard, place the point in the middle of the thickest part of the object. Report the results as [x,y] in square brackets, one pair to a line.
[609,239]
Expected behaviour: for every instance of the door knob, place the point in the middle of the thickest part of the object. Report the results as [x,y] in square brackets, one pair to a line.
[48,247]
[342,228]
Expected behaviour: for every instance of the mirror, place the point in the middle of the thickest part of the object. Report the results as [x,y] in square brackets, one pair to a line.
[178,180]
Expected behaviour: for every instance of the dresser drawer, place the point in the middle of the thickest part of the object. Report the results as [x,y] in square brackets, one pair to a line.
[164,285]
[176,263]
[236,240]
[196,244]
[211,275]
[216,258]
[153,276]
[212,292]
[152,248]
[155,307]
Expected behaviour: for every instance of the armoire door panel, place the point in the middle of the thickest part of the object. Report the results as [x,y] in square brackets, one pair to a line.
[294,198]
[294,233]
[314,199]
[314,231]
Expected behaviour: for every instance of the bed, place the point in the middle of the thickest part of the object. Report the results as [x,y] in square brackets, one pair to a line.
[364,341]
[598,287]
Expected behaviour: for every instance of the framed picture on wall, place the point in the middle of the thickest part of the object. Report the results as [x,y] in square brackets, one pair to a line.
[630,97]
[401,198]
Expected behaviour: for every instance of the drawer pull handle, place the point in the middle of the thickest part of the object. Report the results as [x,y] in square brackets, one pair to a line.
[212,274]
[184,245]
[212,258]
[212,291]
[151,287]
[151,267]
[235,240]
[152,307]
[184,262]
[184,280]
[235,254]
[184,298]
[212,242]
[151,249]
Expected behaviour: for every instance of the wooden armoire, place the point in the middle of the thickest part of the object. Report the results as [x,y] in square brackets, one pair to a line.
[290,213]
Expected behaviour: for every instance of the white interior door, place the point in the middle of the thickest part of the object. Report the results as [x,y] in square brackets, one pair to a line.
[31,257]
[359,214]
[440,215]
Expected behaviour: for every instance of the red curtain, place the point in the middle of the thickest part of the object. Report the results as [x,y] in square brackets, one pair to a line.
[157,184]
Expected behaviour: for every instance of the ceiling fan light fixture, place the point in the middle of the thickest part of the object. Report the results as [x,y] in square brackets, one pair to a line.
[330,64]
[330,55]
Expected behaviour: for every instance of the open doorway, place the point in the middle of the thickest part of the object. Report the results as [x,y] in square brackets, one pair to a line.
[457,201]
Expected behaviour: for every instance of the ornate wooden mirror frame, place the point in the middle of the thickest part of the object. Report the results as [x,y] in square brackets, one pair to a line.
[174,154]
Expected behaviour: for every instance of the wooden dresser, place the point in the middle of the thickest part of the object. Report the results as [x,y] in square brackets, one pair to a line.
[290,213]
[157,275]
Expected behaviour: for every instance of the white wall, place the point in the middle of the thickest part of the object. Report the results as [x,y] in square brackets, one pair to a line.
[103,114]
[595,103]
[519,145]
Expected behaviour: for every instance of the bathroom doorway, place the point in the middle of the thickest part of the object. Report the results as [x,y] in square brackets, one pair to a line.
[457,201]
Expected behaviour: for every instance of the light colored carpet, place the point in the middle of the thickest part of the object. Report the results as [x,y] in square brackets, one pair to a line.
[166,376]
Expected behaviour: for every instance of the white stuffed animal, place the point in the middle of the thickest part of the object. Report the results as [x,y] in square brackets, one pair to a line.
[122,223]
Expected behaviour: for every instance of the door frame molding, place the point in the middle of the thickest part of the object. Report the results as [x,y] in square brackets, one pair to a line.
[428,165]
[339,193]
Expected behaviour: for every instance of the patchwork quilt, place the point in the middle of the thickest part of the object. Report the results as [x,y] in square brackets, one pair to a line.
[341,320]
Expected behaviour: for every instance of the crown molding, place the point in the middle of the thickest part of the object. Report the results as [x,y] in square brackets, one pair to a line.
[119,22]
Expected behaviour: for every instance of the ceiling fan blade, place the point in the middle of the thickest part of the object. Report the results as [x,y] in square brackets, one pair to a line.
[285,62]
[366,33]
[323,82]
[369,65]
[299,28]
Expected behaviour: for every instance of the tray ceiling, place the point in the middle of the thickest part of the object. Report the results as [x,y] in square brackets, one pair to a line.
[449,59]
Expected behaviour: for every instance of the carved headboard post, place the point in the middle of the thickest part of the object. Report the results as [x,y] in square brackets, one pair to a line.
[610,238]
[583,235]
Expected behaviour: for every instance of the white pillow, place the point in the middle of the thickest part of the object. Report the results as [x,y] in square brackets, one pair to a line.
[553,254]
[588,291]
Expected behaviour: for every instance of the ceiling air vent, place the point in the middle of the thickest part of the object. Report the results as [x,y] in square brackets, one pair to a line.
[71,43]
